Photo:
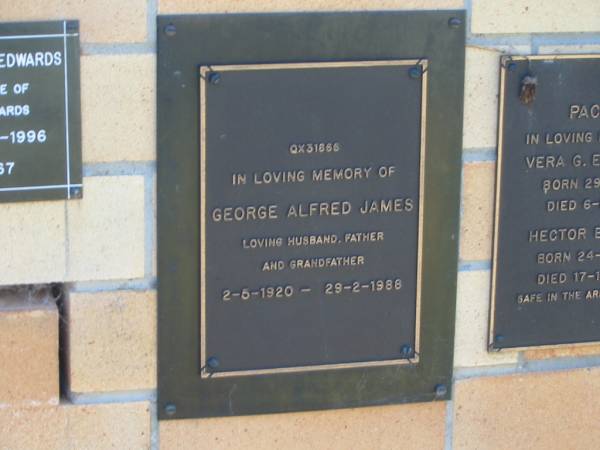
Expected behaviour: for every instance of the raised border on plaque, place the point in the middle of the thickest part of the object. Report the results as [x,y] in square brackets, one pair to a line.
[504,60]
[204,71]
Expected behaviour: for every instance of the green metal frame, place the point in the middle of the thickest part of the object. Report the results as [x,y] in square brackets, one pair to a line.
[185,43]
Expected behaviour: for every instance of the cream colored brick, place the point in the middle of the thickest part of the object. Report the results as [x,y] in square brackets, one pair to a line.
[118,107]
[415,426]
[102,21]
[568,49]
[482,67]
[535,16]
[109,426]
[231,6]
[85,427]
[32,240]
[539,411]
[28,349]
[154,238]
[477,211]
[33,429]
[563,352]
[106,229]
[472,311]
[112,341]
[482,76]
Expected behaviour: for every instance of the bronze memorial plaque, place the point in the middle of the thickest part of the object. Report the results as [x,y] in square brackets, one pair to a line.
[308,192]
[546,267]
[40,124]
[311,221]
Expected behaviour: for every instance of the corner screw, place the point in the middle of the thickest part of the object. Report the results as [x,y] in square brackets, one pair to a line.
[170,30]
[170,409]
[414,72]
[212,362]
[405,351]
[214,77]
[454,22]
[441,390]
[72,26]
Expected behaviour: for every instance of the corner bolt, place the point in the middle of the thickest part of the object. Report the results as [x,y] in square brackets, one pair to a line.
[214,77]
[415,72]
[441,390]
[170,409]
[454,22]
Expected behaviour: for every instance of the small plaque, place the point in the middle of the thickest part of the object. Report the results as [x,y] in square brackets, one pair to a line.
[311,219]
[546,274]
[308,193]
[40,135]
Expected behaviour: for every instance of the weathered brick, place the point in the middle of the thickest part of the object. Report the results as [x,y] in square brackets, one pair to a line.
[230,6]
[33,429]
[535,16]
[557,410]
[481,97]
[476,226]
[32,242]
[105,21]
[109,426]
[28,348]
[112,341]
[416,426]
[482,76]
[472,311]
[106,229]
[89,427]
[118,107]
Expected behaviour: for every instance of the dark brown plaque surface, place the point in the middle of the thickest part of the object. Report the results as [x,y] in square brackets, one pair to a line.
[40,125]
[308,183]
[311,200]
[546,271]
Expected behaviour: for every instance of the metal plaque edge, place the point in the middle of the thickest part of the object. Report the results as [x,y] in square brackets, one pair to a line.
[497,202]
[204,70]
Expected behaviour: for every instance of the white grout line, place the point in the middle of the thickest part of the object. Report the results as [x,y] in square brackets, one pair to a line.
[474,155]
[529,367]
[152,9]
[120,168]
[449,431]
[112,397]
[144,284]
[474,265]
[67,238]
[468,4]
[500,38]
[142,48]
[154,428]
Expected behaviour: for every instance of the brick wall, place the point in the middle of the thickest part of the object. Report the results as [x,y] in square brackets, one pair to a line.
[103,248]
